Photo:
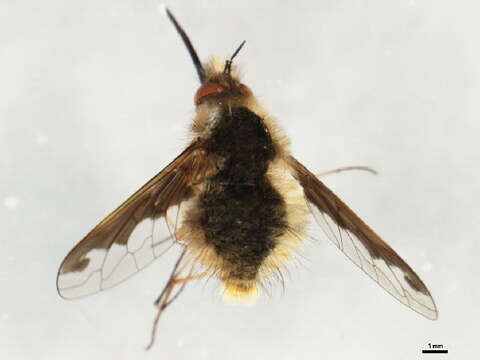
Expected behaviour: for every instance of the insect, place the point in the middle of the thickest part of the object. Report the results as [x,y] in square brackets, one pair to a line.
[236,202]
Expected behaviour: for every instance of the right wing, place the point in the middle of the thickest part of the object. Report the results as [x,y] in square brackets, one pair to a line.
[131,237]
[365,248]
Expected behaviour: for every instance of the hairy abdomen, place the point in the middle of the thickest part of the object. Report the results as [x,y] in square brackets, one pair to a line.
[241,217]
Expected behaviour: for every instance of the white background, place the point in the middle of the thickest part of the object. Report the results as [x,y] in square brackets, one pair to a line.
[96,97]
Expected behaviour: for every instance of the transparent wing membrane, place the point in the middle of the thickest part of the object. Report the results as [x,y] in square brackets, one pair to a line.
[106,268]
[362,246]
[390,277]
[139,231]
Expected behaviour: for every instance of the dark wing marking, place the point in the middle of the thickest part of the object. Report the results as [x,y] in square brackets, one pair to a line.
[365,248]
[131,237]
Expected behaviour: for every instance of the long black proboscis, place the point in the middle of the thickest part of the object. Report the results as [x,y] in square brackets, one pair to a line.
[188,44]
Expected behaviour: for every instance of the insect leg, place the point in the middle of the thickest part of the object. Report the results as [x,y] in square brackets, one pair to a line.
[346,168]
[168,295]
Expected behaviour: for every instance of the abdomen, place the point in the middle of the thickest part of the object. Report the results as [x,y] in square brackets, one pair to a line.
[242,220]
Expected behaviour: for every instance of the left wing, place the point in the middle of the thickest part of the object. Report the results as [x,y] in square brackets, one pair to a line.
[365,248]
[131,237]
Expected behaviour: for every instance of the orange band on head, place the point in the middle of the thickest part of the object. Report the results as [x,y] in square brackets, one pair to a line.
[209,88]
[244,90]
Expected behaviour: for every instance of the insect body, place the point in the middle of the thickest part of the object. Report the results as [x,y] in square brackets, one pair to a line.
[237,202]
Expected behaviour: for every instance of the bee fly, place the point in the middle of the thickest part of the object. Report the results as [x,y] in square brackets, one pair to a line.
[237,202]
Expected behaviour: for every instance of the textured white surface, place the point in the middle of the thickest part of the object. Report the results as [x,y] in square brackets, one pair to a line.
[97,97]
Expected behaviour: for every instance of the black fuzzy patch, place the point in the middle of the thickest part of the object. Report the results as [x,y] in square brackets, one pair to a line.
[242,214]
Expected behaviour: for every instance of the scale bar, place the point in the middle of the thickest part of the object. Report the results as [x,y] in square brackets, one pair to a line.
[434,351]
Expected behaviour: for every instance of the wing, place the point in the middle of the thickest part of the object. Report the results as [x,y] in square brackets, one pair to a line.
[131,237]
[365,248]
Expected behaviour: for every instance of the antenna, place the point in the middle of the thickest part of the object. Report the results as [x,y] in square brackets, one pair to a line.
[228,63]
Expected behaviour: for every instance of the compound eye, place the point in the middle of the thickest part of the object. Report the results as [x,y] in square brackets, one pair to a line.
[209,88]
[244,90]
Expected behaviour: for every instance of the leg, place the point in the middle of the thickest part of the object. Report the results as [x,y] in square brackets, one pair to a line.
[167,296]
[346,168]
